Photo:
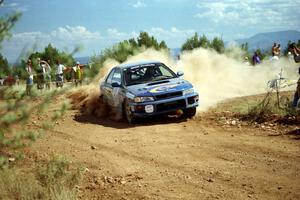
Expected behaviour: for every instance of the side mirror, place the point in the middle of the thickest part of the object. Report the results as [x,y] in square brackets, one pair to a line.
[180,73]
[115,84]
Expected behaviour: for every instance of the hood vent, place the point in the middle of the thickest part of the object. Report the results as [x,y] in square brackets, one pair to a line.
[158,82]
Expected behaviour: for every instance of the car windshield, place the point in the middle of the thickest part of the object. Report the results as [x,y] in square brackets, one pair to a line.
[147,73]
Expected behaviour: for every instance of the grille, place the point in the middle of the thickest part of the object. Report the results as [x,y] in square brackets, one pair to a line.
[168,95]
[171,105]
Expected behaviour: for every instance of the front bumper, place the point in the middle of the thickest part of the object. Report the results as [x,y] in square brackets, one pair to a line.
[164,106]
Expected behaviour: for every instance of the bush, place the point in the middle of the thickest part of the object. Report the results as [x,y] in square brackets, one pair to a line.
[16,111]
[53,180]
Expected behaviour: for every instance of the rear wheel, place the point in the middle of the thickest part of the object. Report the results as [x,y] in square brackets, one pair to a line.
[128,115]
[189,112]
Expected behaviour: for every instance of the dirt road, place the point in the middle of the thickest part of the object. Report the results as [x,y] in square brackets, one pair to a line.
[172,159]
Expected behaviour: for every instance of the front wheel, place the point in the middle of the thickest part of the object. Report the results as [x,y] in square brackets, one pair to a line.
[128,115]
[189,112]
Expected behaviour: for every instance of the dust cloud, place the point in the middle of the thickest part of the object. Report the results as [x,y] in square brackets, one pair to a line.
[216,77]
[87,99]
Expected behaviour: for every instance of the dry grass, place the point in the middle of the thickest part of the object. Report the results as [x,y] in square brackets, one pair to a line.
[53,180]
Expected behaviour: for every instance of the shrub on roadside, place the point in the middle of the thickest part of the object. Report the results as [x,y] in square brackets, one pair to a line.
[53,180]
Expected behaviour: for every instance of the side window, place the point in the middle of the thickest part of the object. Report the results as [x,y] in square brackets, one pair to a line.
[110,76]
[117,76]
[165,71]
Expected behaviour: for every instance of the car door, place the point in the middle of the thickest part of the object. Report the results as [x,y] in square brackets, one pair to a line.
[106,88]
[116,92]
[112,94]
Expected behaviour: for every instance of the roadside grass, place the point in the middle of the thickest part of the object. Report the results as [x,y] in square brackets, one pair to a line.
[54,179]
[263,107]
[23,119]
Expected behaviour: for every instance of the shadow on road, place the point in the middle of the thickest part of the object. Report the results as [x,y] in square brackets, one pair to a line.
[149,121]
[295,133]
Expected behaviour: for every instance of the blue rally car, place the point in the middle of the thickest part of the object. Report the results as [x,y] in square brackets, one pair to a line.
[147,88]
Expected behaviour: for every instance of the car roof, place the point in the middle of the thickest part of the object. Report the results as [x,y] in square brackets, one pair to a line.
[128,65]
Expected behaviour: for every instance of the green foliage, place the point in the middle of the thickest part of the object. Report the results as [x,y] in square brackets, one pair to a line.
[57,172]
[52,180]
[17,110]
[5,70]
[6,24]
[204,42]
[150,42]
[196,42]
[218,45]
[52,54]
[121,51]
[191,43]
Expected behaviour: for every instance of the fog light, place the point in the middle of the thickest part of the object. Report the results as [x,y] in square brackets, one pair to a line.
[139,108]
[149,108]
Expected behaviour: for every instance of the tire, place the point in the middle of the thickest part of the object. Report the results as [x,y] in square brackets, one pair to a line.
[189,112]
[128,116]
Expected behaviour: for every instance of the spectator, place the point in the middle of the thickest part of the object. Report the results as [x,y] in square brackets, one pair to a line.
[78,74]
[40,72]
[246,60]
[256,59]
[278,50]
[296,52]
[274,49]
[59,74]
[46,73]
[29,77]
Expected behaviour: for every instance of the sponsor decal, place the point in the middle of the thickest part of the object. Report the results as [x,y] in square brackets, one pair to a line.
[163,88]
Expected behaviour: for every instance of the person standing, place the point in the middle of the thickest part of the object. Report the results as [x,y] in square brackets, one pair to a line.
[59,74]
[278,50]
[256,59]
[40,74]
[273,51]
[47,73]
[29,77]
[78,74]
[296,52]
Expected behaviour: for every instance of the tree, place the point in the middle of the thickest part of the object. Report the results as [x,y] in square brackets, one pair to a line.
[121,51]
[133,43]
[218,45]
[6,24]
[197,42]
[245,47]
[150,42]
[163,45]
[53,54]
[50,53]
[191,43]
[204,42]
[4,68]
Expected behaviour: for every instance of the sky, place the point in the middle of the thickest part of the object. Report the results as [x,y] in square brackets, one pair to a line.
[97,24]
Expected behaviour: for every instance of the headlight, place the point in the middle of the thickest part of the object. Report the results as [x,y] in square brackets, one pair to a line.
[143,99]
[188,91]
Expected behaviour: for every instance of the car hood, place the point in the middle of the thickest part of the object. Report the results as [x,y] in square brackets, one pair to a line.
[159,87]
